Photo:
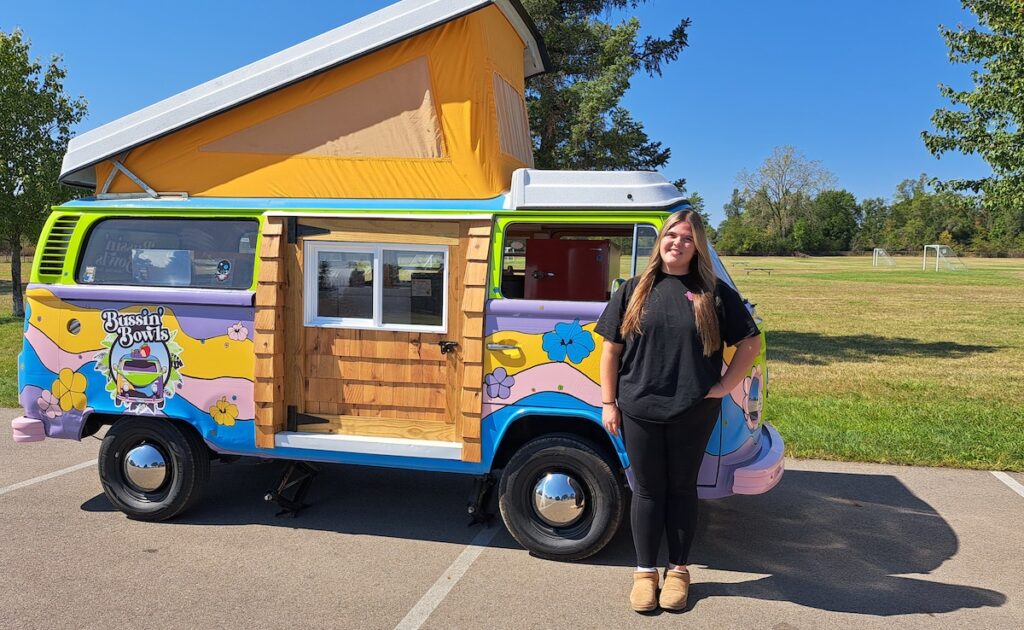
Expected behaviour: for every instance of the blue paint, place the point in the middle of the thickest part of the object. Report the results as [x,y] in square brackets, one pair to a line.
[495,425]
[31,370]
[735,432]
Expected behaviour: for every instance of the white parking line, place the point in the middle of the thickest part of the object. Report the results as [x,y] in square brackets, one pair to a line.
[58,473]
[447,581]
[1009,481]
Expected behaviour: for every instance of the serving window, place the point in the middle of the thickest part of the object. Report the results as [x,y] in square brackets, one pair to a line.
[572,262]
[374,285]
[195,253]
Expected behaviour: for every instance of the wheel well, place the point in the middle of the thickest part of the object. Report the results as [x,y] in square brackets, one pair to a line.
[96,421]
[534,426]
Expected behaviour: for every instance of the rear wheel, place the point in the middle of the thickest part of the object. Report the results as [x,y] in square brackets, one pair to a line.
[560,498]
[152,469]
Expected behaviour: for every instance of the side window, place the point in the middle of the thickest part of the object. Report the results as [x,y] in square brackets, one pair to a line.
[197,253]
[571,262]
[374,285]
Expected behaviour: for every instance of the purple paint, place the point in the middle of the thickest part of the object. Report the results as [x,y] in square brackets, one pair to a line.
[535,316]
[66,426]
[149,295]
[755,468]
[203,319]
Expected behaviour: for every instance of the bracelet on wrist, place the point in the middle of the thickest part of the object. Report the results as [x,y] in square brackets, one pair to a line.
[608,403]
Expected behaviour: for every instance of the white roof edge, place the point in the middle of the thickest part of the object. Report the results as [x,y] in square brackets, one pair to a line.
[377,30]
[612,190]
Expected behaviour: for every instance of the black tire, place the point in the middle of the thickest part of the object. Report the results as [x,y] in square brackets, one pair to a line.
[603,491]
[187,465]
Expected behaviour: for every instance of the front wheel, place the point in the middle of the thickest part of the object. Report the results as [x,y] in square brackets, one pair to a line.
[152,469]
[560,499]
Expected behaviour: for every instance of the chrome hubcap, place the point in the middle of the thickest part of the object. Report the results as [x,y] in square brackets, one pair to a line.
[558,499]
[145,468]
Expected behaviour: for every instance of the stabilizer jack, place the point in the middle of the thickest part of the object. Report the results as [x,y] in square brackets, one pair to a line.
[290,492]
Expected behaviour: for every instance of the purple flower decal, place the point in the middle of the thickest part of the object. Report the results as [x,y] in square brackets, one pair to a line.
[49,405]
[690,295]
[238,332]
[499,383]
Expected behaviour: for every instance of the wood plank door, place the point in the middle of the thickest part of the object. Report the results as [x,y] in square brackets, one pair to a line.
[384,328]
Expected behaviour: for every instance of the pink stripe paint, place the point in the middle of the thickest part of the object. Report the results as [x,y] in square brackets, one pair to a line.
[548,378]
[52,357]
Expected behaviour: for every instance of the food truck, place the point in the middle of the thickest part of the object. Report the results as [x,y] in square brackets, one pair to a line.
[343,254]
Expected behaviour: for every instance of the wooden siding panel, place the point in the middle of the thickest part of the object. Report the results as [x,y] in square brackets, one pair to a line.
[476,274]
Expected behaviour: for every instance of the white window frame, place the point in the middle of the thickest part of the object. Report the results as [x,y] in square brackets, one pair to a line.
[311,252]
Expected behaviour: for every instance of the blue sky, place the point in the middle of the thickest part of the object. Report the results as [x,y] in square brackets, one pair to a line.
[851,84]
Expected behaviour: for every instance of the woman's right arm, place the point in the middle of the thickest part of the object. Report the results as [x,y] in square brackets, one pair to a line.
[611,352]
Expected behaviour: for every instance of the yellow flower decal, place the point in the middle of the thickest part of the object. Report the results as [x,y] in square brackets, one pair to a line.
[69,390]
[224,412]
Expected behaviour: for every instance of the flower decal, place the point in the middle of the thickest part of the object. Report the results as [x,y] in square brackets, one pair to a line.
[224,412]
[568,340]
[69,390]
[49,404]
[690,295]
[499,383]
[238,332]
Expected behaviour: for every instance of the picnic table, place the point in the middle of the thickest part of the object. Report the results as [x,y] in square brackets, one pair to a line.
[767,270]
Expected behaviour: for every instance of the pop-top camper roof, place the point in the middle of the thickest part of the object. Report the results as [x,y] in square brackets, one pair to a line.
[422,99]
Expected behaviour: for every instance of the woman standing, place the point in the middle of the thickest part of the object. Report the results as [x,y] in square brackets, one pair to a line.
[662,385]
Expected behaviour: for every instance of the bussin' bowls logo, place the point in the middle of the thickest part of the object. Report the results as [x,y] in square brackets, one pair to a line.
[141,359]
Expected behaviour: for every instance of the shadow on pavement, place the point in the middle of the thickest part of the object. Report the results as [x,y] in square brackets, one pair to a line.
[808,348]
[831,541]
[835,541]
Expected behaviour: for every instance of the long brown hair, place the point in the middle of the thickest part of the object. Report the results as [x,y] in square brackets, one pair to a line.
[700,268]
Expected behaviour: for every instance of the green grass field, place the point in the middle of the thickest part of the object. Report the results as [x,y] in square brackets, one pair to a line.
[881,365]
[10,335]
[894,365]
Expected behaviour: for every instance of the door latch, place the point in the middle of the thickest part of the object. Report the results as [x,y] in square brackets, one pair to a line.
[448,346]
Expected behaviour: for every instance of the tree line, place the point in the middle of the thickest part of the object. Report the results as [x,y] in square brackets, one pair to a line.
[791,205]
[578,122]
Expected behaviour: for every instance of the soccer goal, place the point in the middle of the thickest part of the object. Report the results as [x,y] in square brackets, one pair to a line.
[881,258]
[945,259]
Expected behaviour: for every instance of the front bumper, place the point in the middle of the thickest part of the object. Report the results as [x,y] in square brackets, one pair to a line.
[27,429]
[766,470]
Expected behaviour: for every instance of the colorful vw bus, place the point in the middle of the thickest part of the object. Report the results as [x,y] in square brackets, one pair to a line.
[341,254]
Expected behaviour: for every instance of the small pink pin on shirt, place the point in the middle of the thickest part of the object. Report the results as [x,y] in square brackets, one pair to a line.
[690,296]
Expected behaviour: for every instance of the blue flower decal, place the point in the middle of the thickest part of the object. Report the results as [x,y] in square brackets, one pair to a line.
[499,383]
[568,340]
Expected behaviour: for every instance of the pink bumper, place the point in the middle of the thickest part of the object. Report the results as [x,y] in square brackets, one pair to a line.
[28,429]
[765,472]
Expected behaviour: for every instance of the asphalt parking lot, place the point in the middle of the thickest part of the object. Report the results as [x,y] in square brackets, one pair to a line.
[835,545]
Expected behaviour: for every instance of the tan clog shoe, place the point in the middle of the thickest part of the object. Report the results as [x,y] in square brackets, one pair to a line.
[644,596]
[675,590]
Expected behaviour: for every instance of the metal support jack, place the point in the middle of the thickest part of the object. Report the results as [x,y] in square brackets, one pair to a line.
[291,490]
[482,499]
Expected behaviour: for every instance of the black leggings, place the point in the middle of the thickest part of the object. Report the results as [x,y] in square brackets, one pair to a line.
[665,458]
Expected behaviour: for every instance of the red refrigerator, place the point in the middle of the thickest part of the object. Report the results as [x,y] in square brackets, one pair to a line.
[575,270]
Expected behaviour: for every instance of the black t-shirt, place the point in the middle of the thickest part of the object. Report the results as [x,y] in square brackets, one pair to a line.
[663,372]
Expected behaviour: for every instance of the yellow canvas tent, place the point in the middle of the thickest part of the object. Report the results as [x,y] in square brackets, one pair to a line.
[423,99]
